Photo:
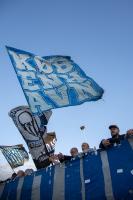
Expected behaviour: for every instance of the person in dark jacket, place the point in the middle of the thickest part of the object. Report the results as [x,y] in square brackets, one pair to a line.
[115,137]
[64,158]
[74,154]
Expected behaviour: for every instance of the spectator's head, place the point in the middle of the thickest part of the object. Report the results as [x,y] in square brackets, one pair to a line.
[20,173]
[74,152]
[114,129]
[85,147]
[28,172]
[13,176]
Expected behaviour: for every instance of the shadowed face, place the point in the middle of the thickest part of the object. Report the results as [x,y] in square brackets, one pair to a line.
[74,152]
[114,131]
[85,147]
[20,173]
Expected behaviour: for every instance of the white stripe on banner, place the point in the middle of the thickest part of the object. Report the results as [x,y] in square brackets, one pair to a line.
[107,176]
[35,195]
[82,179]
[2,189]
[130,140]
[19,188]
[59,183]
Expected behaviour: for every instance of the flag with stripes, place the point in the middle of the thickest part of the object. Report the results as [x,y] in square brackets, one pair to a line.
[15,155]
[107,175]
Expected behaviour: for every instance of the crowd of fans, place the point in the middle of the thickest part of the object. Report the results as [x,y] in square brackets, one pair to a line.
[19,174]
[54,159]
[115,139]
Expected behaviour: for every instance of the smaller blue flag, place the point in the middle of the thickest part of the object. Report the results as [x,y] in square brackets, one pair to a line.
[15,155]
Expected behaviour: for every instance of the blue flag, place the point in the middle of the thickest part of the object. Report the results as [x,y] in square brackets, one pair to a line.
[52,81]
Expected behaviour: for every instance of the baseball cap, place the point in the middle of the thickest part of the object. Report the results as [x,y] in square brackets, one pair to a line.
[113,126]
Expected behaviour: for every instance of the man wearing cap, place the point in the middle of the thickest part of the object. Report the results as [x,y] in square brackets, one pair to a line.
[115,139]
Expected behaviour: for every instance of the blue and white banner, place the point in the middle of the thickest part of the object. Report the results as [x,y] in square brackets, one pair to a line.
[107,175]
[15,155]
[52,81]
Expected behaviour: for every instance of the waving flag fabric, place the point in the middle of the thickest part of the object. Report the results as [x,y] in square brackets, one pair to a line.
[52,81]
[15,155]
[33,129]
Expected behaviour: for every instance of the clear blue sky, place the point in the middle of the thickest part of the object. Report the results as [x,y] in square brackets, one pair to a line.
[98,35]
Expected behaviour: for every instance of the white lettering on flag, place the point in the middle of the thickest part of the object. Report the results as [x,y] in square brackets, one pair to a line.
[52,81]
